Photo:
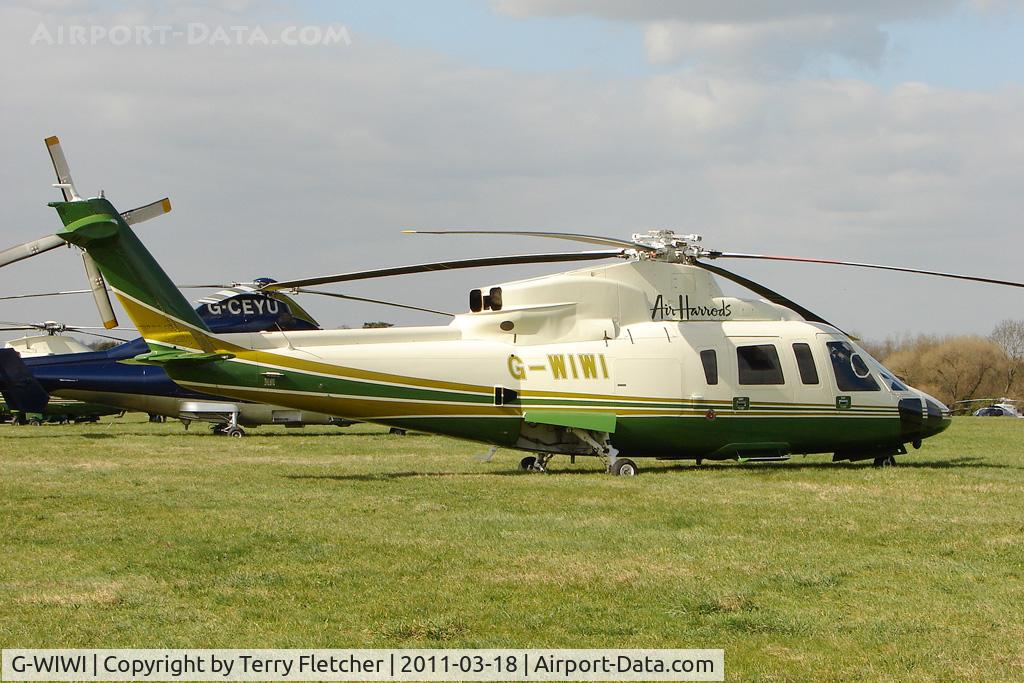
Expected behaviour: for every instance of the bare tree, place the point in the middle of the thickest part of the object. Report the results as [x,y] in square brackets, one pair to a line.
[954,369]
[1009,335]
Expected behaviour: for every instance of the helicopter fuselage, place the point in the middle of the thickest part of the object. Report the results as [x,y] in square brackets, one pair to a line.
[645,357]
[648,357]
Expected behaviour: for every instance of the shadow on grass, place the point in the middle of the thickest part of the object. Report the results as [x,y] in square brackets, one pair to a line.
[778,469]
[388,476]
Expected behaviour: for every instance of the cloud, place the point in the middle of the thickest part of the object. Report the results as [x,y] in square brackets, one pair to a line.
[303,161]
[718,11]
[777,37]
[783,46]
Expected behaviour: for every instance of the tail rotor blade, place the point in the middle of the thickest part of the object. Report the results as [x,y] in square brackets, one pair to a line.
[99,292]
[28,249]
[144,213]
[61,168]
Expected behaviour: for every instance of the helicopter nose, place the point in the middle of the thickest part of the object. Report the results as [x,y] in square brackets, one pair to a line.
[921,417]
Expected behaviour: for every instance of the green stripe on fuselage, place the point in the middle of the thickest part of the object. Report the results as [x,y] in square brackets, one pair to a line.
[692,435]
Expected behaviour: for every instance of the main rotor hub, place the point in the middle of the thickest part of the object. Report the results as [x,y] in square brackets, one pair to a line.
[666,245]
[53,327]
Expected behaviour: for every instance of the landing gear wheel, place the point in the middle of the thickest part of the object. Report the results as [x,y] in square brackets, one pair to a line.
[236,432]
[885,461]
[624,467]
[527,464]
[35,421]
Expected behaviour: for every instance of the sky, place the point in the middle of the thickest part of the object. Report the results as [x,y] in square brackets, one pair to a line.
[887,132]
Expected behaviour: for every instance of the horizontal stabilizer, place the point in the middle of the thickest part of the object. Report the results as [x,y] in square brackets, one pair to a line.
[174,356]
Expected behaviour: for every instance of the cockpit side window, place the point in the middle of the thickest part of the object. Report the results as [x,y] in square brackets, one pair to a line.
[805,363]
[852,372]
[894,383]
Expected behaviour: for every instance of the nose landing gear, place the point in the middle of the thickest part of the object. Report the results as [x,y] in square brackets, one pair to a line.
[623,467]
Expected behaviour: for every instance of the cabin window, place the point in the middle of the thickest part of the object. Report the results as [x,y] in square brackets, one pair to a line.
[709,359]
[805,363]
[852,373]
[759,364]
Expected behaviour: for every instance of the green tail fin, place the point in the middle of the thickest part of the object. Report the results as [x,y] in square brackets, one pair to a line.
[145,291]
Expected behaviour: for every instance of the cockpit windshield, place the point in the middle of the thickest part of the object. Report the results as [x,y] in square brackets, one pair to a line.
[894,383]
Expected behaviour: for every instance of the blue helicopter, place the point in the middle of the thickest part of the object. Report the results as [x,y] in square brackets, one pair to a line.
[109,378]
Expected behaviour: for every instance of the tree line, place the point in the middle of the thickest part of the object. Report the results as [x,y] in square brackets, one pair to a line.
[960,368]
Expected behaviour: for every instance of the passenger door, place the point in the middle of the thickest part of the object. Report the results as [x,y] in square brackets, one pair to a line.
[761,380]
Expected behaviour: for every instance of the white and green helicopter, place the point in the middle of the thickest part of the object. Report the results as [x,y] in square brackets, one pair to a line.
[642,358]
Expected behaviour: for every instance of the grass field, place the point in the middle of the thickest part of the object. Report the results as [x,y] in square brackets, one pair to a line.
[144,535]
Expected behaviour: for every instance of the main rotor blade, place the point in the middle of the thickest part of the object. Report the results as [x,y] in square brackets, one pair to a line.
[23,325]
[70,329]
[220,286]
[99,292]
[570,236]
[32,296]
[303,290]
[144,213]
[61,168]
[768,294]
[28,249]
[832,262]
[58,328]
[54,325]
[450,265]
[987,400]
[79,330]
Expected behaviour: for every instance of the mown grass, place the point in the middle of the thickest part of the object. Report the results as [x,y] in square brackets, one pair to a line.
[144,535]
